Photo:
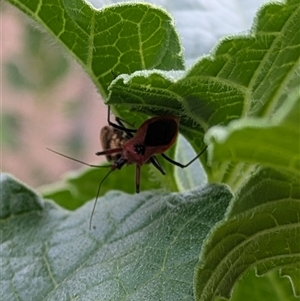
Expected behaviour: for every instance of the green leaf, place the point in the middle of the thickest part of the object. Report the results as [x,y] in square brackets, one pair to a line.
[293,274]
[233,80]
[268,287]
[262,229]
[201,24]
[143,247]
[116,39]
[272,142]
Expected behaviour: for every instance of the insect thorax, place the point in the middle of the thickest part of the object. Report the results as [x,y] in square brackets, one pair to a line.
[139,149]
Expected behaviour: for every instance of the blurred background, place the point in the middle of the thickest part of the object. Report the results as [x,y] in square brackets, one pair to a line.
[46,101]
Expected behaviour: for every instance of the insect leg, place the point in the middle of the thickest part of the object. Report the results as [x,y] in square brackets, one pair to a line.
[119,126]
[183,165]
[157,165]
[120,122]
[137,178]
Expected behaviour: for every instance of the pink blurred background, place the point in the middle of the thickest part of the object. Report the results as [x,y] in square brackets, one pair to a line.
[46,101]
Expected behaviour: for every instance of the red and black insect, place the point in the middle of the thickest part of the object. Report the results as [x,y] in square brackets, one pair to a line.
[128,146]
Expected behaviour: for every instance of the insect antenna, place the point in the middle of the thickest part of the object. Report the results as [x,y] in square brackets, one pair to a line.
[97,196]
[79,161]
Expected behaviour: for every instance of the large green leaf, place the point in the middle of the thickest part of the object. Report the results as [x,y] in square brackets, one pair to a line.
[201,23]
[262,230]
[142,247]
[273,142]
[232,82]
[117,39]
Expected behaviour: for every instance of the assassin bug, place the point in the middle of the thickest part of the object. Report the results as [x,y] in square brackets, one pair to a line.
[155,136]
